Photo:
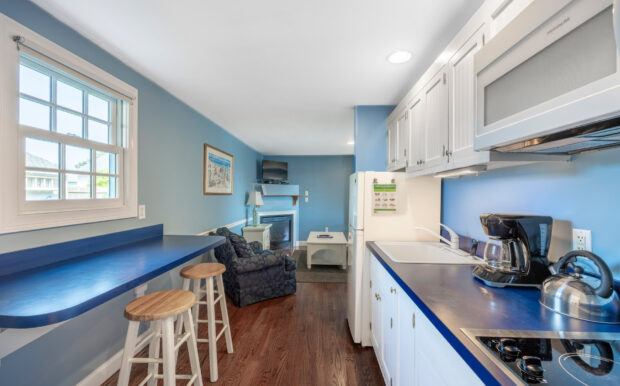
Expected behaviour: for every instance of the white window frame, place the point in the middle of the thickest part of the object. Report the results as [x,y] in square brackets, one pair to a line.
[17,214]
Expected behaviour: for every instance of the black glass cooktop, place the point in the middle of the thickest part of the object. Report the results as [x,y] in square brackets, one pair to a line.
[553,358]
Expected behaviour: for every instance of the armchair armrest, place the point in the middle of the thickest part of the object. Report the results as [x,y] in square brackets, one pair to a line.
[289,263]
[256,247]
[257,262]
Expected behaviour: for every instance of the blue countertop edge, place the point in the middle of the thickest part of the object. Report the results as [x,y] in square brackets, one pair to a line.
[30,321]
[479,369]
[32,258]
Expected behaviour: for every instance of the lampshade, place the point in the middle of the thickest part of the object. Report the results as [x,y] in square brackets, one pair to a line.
[255,198]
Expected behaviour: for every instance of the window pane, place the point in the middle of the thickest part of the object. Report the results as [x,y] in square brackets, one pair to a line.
[34,83]
[42,185]
[42,154]
[69,96]
[67,123]
[77,158]
[106,162]
[34,114]
[98,107]
[98,131]
[107,187]
[77,186]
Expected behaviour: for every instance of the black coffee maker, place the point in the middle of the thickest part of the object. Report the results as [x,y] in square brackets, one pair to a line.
[521,257]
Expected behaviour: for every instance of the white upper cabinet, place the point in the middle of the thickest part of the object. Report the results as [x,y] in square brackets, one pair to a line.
[417,124]
[398,142]
[436,112]
[392,140]
[403,140]
[432,129]
[463,99]
[503,11]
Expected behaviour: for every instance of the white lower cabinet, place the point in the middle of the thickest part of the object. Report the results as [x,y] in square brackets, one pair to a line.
[409,349]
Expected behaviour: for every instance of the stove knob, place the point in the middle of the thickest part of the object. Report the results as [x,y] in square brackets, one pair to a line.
[508,347]
[532,367]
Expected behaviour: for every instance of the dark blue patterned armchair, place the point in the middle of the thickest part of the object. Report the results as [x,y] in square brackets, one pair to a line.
[253,274]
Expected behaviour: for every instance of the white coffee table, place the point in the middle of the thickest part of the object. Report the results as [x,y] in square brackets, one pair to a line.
[327,251]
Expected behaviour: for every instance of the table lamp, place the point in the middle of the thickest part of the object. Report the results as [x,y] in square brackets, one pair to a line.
[255,199]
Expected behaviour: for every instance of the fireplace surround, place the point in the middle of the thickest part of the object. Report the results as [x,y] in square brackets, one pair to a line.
[282,231]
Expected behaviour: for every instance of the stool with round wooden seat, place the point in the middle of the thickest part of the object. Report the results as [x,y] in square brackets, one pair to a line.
[160,309]
[210,272]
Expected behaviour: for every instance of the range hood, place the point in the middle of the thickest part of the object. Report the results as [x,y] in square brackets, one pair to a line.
[594,136]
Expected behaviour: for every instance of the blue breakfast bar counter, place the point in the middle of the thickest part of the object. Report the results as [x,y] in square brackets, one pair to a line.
[50,284]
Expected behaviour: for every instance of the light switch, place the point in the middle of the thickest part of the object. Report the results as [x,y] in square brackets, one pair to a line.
[306,193]
[141,212]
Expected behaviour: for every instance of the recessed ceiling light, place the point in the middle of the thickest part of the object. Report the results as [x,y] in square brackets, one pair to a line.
[351,143]
[399,57]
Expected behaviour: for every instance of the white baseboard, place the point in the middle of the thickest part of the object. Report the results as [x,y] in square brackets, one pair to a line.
[107,368]
[231,225]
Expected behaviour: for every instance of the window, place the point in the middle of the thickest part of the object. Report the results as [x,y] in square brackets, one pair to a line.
[72,135]
[75,127]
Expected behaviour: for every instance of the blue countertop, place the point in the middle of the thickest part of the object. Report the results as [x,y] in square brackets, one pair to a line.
[53,293]
[452,299]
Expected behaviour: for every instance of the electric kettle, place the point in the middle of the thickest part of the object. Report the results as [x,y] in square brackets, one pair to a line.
[568,293]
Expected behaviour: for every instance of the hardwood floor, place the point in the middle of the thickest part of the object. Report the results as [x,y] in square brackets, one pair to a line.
[295,340]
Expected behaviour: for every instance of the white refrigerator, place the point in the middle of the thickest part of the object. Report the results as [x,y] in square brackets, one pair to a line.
[383,206]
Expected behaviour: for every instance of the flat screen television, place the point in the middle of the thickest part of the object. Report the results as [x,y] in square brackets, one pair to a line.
[276,172]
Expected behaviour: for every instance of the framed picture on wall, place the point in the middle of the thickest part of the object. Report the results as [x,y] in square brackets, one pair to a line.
[218,171]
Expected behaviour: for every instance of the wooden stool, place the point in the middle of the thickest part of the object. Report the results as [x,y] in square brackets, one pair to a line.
[209,271]
[161,308]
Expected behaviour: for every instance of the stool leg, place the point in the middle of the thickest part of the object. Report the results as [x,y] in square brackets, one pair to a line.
[154,351]
[196,307]
[180,318]
[169,357]
[211,327]
[128,353]
[224,309]
[192,348]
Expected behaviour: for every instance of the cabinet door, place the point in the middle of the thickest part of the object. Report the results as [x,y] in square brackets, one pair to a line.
[416,134]
[504,12]
[403,126]
[392,145]
[375,307]
[390,327]
[463,97]
[405,368]
[432,352]
[436,105]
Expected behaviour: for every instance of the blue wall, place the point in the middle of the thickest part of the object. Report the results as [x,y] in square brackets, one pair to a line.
[370,137]
[170,146]
[585,191]
[326,178]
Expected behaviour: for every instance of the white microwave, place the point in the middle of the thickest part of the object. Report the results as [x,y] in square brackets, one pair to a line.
[554,68]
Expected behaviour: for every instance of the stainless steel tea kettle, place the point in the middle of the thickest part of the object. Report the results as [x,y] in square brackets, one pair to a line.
[567,292]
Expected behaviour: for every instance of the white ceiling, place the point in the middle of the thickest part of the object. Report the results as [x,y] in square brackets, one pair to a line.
[281,75]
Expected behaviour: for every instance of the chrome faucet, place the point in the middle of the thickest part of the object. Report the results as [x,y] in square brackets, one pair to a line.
[453,242]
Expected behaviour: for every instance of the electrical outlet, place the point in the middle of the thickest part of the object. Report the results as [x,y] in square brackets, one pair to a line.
[582,240]
[306,199]
[141,212]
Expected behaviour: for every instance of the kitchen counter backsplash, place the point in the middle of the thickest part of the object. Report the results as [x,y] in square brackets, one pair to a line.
[466,243]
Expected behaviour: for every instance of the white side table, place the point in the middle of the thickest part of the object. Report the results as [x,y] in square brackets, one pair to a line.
[258,233]
[327,251]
